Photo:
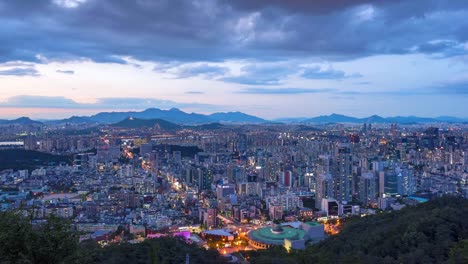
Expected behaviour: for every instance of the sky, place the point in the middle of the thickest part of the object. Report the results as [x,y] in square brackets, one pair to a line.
[269,58]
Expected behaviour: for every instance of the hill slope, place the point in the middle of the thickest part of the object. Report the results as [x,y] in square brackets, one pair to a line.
[20,121]
[142,123]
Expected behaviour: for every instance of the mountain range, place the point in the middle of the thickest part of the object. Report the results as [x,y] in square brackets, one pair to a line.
[337,118]
[179,117]
[176,116]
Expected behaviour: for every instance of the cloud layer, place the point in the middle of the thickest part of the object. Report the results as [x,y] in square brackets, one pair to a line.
[209,30]
[28,101]
[19,72]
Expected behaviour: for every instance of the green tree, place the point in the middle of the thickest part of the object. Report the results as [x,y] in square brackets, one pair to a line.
[22,242]
[459,253]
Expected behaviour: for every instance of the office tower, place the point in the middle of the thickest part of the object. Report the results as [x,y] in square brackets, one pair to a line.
[405,181]
[390,182]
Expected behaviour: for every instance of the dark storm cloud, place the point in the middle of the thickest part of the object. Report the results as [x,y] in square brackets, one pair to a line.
[302,6]
[209,30]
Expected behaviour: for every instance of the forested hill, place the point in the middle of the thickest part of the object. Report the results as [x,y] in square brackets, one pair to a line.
[433,232]
[21,159]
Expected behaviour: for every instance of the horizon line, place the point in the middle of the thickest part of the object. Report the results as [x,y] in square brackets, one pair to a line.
[210,113]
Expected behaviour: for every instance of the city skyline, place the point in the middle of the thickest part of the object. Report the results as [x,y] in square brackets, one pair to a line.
[233,131]
[270,59]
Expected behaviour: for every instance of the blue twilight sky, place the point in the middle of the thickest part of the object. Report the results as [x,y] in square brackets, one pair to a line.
[270,58]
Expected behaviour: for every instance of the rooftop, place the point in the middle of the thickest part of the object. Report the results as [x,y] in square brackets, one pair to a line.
[268,236]
[312,223]
[218,232]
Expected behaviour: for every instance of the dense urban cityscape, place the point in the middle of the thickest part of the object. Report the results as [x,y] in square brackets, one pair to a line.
[231,187]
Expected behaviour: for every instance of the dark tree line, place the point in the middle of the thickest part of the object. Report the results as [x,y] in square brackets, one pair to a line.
[433,232]
[55,241]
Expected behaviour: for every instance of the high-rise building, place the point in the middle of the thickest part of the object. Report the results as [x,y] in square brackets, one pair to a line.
[30,142]
[381,183]
[405,181]
[367,188]
[342,174]
[205,178]
[324,164]
[324,189]
[391,182]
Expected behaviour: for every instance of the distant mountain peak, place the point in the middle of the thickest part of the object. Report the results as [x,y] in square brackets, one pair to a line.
[174,109]
[236,117]
[23,118]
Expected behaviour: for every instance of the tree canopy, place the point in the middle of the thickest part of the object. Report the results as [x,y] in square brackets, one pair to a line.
[433,232]
[55,241]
